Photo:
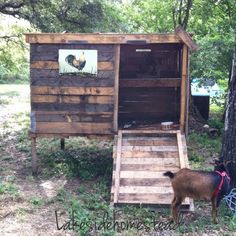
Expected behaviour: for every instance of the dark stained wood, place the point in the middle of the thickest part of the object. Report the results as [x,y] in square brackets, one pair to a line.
[70,117]
[72,107]
[71,81]
[72,99]
[54,65]
[45,73]
[73,128]
[183,35]
[133,83]
[144,182]
[49,52]
[98,38]
[46,90]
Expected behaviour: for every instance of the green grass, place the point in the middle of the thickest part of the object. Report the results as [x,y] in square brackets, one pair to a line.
[8,188]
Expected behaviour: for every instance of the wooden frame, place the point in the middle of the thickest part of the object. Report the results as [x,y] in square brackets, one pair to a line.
[65,105]
[183,88]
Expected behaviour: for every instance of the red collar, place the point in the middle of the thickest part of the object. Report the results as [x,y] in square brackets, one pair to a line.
[222,174]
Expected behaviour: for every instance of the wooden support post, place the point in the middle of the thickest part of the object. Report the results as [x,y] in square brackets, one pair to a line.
[118,163]
[188,94]
[62,144]
[116,88]
[34,156]
[181,151]
[183,88]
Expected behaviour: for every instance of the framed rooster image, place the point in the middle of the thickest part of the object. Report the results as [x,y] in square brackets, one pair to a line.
[77,61]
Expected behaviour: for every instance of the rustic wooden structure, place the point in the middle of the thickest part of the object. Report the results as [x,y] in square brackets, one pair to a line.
[141,81]
[140,158]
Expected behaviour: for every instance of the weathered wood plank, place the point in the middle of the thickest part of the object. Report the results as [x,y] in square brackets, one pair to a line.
[70,117]
[183,88]
[71,90]
[72,107]
[141,174]
[73,128]
[144,190]
[145,182]
[56,38]
[149,167]
[118,168]
[154,198]
[139,94]
[49,52]
[116,87]
[71,81]
[155,154]
[133,83]
[183,35]
[45,73]
[151,161]
[71,113]
[150,148]
[149,142]
[147,198]
[181,151]
[72,99]
[54,65]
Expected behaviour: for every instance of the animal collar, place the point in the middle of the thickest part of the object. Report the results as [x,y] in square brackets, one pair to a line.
[222,174]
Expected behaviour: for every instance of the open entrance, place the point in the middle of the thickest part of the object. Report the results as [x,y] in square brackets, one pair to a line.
[149,86]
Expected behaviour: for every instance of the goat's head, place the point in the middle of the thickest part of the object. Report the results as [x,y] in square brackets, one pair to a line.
[221,166]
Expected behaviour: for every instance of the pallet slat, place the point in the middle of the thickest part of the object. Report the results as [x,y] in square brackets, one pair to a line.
[143,158]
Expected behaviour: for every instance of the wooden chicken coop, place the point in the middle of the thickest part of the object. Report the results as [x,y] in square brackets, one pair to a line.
[119,85]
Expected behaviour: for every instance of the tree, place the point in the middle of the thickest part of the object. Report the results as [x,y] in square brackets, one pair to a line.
[181,13]
[70,15]
[228,152]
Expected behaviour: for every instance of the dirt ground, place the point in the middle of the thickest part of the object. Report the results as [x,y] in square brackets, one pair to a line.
[27,207]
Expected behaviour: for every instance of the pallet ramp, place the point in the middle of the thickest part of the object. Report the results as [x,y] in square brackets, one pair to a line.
[140,157]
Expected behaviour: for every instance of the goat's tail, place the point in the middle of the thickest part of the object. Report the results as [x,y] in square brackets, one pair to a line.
[169,174]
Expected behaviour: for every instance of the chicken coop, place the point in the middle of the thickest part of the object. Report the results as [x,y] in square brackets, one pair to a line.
[131,87]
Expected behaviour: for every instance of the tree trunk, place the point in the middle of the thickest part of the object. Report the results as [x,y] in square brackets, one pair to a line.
[228,151]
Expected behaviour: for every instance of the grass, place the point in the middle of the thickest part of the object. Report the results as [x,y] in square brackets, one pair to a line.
[91,163]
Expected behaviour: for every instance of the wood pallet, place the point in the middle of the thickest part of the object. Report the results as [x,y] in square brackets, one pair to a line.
[140,159]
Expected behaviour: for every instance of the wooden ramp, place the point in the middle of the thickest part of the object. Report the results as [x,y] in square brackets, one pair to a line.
[140,159]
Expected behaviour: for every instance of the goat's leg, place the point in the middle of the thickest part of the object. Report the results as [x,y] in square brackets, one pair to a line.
[214,210]
[172,207]
[175,206]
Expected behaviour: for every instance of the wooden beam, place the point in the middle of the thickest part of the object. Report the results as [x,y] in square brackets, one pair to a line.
[183,35]
[97,38]
[47,90]
[34,156]
[116,88]
[183,88]
[160,82]
[118,164]
[72,99]
[181,151]
[53,65]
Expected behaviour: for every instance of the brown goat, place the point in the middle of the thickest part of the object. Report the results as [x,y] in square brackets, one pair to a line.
[198,185]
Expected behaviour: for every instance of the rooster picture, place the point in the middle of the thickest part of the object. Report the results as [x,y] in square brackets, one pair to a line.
[78,64]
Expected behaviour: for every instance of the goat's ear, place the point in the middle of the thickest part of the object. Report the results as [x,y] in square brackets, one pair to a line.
[218,162]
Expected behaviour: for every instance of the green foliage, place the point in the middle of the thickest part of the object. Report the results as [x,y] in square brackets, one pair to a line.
[88,161]
[13,53]
[36,201]
[9,188]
